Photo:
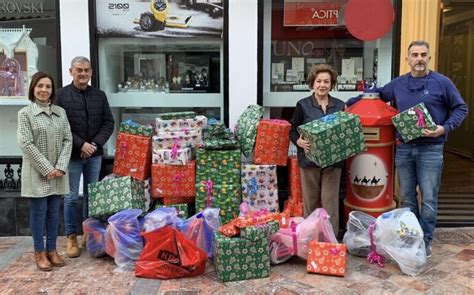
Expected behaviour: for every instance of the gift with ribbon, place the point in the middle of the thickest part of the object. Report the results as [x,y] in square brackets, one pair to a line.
[173,156]
[260,187]
[272,143]
[333,138]
[246,130]
[132,156]
[197,122]
[134,128]
[411,122]
[108,197]
[174,183]
[326,258]
[225,197]
[190,138]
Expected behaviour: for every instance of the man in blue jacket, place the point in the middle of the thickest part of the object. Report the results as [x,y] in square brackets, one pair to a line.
[419,162]
[91,124]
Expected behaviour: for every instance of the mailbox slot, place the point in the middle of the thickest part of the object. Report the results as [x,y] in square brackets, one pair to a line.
[371,133]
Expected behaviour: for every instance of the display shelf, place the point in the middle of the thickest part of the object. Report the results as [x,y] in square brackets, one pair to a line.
[144,99]
[285,99]
[9,101]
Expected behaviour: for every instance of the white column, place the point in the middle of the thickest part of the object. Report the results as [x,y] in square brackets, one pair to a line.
[242,56]
[74,21]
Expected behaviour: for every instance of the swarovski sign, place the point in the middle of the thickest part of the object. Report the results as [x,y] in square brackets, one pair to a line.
[19,7]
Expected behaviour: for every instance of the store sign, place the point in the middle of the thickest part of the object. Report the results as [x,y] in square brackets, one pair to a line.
[21,7]
[148,19]
[311,13]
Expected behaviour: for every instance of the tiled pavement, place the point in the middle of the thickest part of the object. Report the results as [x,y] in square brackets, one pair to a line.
[450,271]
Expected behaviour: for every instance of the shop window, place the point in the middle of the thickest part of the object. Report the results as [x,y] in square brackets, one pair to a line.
[161,55]
[300,34]
[28,44]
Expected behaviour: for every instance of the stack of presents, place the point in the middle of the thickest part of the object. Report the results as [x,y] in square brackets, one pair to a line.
[139,215]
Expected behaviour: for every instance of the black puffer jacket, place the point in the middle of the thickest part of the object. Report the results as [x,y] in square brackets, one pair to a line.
[89,115]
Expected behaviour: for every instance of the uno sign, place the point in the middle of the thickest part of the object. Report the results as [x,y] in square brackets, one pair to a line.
[311,13]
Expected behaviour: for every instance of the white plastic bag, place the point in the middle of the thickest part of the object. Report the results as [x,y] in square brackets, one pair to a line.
[397,235]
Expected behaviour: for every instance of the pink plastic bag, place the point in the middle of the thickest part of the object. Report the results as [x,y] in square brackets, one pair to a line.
[295,239]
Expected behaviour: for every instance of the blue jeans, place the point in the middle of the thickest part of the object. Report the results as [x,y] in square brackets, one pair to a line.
[421,165]
[44,218]
[90,169]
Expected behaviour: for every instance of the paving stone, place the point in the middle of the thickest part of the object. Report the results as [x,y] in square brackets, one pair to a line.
[449,271]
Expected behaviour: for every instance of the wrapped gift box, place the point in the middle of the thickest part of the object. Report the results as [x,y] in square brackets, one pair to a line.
[411,122]
[166,156]
[132,156]
[220,166]
[131,127]
[183,138]
[333,138]
[198,122]
[225,197]
[327,258]
[220,144]
[293,207]
[226,134]
[295,179]
[240,259]
[260,187]
[108,197]
[260,231]
[272,143]
[247,128]
[177,115]
[215,128]
[175,184]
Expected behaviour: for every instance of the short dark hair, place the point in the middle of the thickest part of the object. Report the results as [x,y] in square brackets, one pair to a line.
[321,68]
[419,43]
[34,80]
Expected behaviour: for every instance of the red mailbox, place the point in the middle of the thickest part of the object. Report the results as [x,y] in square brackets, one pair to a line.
[370,174]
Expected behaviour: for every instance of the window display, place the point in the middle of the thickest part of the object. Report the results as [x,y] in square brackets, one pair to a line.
[300,34]
[161,53]
[27,45]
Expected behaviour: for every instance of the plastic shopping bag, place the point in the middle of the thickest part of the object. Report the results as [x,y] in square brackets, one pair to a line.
[169,255]
[200,228]
[96,236]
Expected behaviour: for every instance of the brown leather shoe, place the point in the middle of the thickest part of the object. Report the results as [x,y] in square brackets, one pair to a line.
[42,261]
[72,249]
[55,259]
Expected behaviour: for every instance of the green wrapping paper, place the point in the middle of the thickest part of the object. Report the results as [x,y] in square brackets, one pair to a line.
[240,259]
[108,197]
[220,166]
[131,127]
[247,128]
[215,129]
[225,197]
[333,138]
[261,231]
[411,122]
[220,144]
[177,115]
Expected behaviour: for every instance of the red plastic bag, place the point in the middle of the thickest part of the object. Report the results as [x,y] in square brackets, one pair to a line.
[169,255]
